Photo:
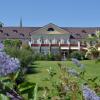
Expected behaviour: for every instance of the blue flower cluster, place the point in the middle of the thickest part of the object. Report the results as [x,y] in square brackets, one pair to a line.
[73,72]
[89,94]
[7,64]
[77,63]
[1,47]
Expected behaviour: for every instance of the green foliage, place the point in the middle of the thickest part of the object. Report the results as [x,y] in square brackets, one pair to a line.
[15,84]
[35,92]
[3,97]
[25,87]
[47,57]
[93,42]
[25,56]
[68,87]
[92,52]
[49,80]
[12,43]
[16,89]
[24,53]
[80,55]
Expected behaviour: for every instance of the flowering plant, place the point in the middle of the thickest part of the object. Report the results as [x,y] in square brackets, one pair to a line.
[72,84]
[12,82]
[7,64]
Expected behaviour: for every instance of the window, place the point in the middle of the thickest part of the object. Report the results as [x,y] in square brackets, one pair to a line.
[72,37]
[83,31]
[46,41]
[39,41]
[62,41]
[15,31]
[54,41]
[6,34]
[33,41]
[55,50]
[45,50]
[50,29]
[77,34]
[1,31]
[21,34]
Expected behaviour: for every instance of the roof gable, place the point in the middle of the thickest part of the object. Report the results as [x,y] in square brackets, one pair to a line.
[50,29]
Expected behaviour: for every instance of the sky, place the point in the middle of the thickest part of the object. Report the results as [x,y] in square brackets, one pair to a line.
[67,13]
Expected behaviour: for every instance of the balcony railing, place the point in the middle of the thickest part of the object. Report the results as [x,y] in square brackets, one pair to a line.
[67,45]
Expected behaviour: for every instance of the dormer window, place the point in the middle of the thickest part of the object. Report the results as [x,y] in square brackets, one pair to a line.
[15,31]
[6,34]
[83,31]
[50,29]
[21,34]
[1,31]
[72,37]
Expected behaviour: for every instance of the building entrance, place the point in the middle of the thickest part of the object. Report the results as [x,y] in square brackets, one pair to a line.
[64,54]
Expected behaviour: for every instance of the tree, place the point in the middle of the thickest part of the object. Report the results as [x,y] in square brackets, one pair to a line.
[1,24]
[93,42]
[92,52]
[12,43]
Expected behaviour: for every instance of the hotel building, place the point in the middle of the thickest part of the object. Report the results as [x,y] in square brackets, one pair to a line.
[50,38]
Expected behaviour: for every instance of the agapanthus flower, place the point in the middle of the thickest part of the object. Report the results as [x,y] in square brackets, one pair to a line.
[72,72]
[89,94]
[77,63]
[7,64]
[1,47]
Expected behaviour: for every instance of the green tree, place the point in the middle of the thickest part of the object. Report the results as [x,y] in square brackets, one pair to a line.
[92,52]
[12,43]
[1,24]
[93,42]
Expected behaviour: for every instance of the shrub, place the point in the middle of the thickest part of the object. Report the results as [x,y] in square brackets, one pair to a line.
[48,57]
[80,55]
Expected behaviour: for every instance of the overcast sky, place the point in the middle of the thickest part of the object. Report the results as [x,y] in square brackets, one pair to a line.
[70,13]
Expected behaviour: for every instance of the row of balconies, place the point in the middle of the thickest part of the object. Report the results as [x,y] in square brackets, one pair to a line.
[34,45]
[77,46]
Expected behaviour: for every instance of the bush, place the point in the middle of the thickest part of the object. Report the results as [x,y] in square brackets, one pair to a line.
[80,55]
[25,56]
[48,57]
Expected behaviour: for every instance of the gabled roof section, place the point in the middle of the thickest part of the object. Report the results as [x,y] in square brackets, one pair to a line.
[50,29]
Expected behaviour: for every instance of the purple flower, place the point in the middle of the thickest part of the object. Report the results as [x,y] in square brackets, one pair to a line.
[7,64]
[73,72]
[1,47]
[89,94]
[77,63]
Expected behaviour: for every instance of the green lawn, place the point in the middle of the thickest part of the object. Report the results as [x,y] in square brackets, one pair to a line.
[92,69]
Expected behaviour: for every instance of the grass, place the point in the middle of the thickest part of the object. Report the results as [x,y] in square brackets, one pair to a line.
[41,75]
[92,69]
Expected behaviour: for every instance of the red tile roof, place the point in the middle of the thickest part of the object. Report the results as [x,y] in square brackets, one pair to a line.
[26,32]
